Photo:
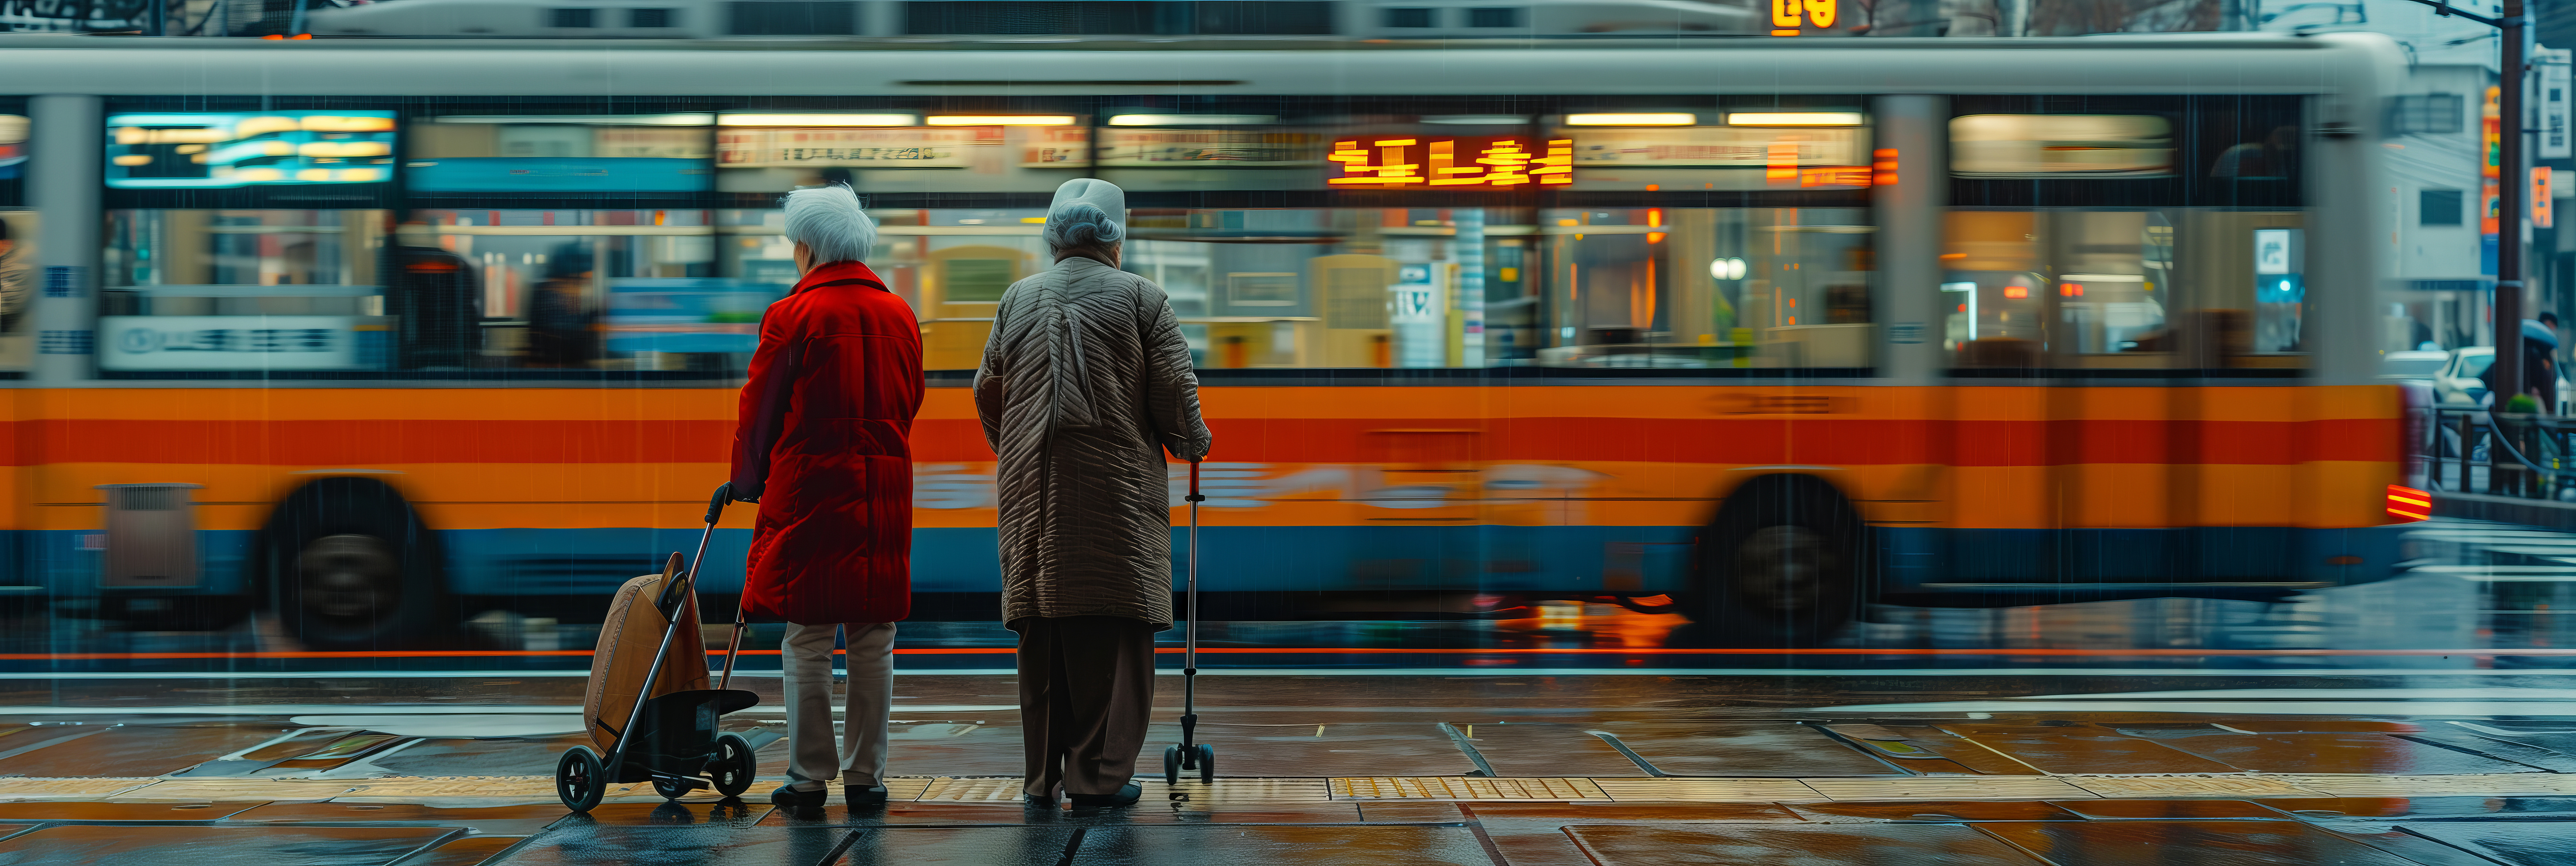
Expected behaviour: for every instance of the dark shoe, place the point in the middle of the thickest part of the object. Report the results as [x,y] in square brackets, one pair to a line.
[1127,795]
[863,798]
[802,803]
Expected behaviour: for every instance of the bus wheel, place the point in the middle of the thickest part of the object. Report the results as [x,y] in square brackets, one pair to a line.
[1780,566]
[349,566]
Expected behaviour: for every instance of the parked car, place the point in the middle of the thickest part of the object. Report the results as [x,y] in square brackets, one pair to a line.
[2413,366]
[2458,384]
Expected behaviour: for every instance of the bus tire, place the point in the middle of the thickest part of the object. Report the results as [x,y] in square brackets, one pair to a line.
[1781,565]
[349,566]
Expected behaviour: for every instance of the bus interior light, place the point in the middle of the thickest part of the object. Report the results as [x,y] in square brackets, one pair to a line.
[1001,120]
[815,120]
[1476,119]
[1794,118]
[1190,119]
[1642,119]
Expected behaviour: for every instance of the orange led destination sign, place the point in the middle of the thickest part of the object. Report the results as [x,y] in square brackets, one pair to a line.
[1786,15]
[1388,163]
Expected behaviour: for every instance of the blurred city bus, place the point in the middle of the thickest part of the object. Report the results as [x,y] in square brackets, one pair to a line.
[370,337]
[1224,19]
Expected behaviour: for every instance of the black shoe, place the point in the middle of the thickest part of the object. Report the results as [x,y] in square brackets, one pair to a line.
[863,798]
[804,803]
[1127,795]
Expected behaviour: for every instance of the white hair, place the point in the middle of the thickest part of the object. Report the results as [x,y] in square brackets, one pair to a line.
[829,221]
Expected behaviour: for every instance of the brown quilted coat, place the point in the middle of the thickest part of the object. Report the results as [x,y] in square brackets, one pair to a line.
[1086,382]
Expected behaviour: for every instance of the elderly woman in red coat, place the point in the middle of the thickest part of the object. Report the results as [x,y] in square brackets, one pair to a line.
[822,446]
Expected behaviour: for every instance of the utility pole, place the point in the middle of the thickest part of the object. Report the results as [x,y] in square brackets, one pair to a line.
[2513,190]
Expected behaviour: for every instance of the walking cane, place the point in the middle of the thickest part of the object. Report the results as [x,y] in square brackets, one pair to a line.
[1191,754]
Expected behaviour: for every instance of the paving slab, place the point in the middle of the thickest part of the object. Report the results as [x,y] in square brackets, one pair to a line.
[1969,756]
[2167,810]
[666,813]
[701,845]
[84,844]
[39,810]
[1545,749]
[468,851]
[2404,844]
[1737,749]
[955,748]
[518,820]
[1149,811]
[2200,843]
[2320,752]
[1336,749]
[1815,845]
[1593,813]
[133,750]
[1345,845]
[2428,808]
[500,756]
[2518,843]
[2084,748]
[1934,811]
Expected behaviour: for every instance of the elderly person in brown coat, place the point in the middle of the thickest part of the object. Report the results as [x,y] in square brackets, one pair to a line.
[1086,383]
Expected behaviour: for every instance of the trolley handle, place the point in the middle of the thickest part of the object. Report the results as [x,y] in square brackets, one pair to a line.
[1194,484]
[716,504]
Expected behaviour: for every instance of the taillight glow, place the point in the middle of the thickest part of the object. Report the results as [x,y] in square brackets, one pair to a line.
[2407,503]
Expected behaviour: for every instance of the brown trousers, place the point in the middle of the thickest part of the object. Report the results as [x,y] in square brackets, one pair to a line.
[1086,695]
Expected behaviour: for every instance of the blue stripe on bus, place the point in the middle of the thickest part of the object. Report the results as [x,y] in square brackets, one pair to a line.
[1624,559]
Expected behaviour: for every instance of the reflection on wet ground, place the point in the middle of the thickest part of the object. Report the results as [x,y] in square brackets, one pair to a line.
[2418,721]
[1380,769]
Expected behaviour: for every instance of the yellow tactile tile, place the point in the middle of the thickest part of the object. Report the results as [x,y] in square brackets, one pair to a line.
[2190,786]
[1948,788]
[66,789]
[2404,786]
[950,789]
[1464,788]
[1237,792]
[1631,790]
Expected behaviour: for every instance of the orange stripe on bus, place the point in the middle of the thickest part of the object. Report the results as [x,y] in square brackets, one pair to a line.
[359,443]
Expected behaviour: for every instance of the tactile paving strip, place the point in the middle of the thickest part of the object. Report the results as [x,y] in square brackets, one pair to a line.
[951,789]
[1464,788]
[1948,788]
[1707,790]
[1238,792]
[2403,786]
[2190,786]
[55,789]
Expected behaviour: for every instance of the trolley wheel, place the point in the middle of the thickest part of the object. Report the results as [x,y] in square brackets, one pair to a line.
[580,779]
[672,788]
[1171,765]
[1207,764]
[734,767]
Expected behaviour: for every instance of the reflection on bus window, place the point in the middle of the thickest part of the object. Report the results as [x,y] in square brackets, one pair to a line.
[1705,287]
[2060,145]
[13,145]
[243,290]
[17,287]
[2165,288]
[561,153]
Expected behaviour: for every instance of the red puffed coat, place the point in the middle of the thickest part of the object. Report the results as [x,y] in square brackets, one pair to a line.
[823,445]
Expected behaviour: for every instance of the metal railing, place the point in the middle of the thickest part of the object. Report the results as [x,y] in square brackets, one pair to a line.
[2473,450]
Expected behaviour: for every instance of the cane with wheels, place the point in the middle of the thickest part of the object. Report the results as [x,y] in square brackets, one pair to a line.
[1191,754]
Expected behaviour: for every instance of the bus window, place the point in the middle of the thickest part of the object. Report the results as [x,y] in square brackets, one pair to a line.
[655,153]
[622,290]
[242,290]
[1709,287]
[2153,288]
[17,288]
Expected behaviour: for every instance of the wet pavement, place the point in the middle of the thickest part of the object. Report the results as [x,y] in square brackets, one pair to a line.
[2429,719]
[1429,767]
